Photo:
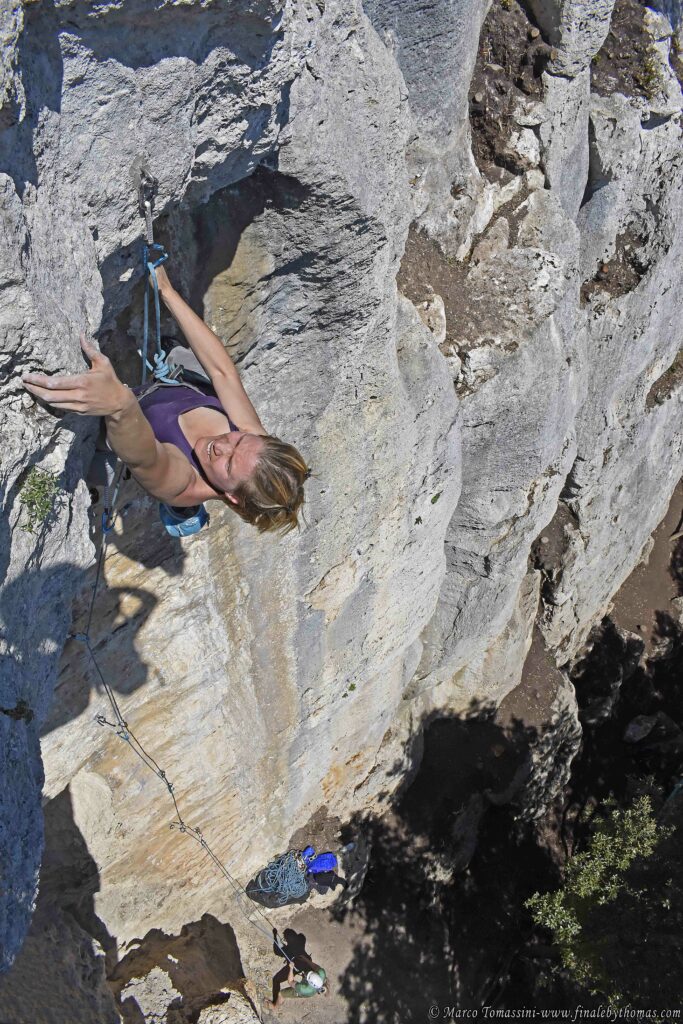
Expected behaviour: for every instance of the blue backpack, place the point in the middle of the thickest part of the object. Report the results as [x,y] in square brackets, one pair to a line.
[316,865]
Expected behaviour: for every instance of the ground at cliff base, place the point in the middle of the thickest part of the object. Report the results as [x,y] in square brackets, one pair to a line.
[333,946]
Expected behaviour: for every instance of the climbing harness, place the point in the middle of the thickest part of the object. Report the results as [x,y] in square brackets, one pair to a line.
[284,878]
[183,522]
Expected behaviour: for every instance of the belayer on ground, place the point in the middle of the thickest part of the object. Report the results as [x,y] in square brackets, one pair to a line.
[312,980]
[188,443]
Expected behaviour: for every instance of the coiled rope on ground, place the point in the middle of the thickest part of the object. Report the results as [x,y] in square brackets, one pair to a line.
[284,877]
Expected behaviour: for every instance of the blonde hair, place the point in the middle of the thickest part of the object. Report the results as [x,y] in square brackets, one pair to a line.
[274,492]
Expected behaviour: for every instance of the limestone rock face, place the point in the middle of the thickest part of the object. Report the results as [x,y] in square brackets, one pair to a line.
[577,28]
[673,9]
[295,144]
[336,363]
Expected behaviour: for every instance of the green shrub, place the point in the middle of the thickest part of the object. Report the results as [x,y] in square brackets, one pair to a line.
[588,914]
[38,497]
[650,77]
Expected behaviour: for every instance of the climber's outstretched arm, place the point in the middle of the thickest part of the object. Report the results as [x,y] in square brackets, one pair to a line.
[215,360]
[159,468]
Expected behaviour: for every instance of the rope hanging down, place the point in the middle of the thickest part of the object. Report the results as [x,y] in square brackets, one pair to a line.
[161,368]
[124,732]
[153,255]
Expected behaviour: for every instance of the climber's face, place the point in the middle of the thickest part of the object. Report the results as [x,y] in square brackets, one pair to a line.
[228,460]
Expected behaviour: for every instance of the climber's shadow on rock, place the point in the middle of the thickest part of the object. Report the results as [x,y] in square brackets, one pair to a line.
[45,603]
[121,610]
[138,532]
[451,864]
[199,966]
[31,646]
[60,972]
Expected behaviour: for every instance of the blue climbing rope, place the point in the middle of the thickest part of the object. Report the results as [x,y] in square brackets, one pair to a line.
[161,368]
[284,877]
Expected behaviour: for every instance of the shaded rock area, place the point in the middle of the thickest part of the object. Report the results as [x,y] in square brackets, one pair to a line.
[460,309]
[175,978]
[478,946]
[456,843]
[60,973]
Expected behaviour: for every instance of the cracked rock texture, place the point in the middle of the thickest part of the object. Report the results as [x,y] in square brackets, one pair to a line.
[499,393]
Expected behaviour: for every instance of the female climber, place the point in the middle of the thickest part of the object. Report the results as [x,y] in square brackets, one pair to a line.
[188,444]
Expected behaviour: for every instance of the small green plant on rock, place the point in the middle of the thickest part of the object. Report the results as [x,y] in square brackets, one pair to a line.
[650,77]
[506,5]
[38,497]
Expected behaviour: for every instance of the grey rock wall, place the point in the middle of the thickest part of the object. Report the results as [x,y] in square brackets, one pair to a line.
[673,10]
[295,144]
[576,28]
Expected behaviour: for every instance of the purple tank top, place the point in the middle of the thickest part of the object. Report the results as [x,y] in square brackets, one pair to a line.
[163,405]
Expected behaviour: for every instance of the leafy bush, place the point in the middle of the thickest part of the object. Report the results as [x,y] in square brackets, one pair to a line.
[650,77]
[588,914]
[38,497]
